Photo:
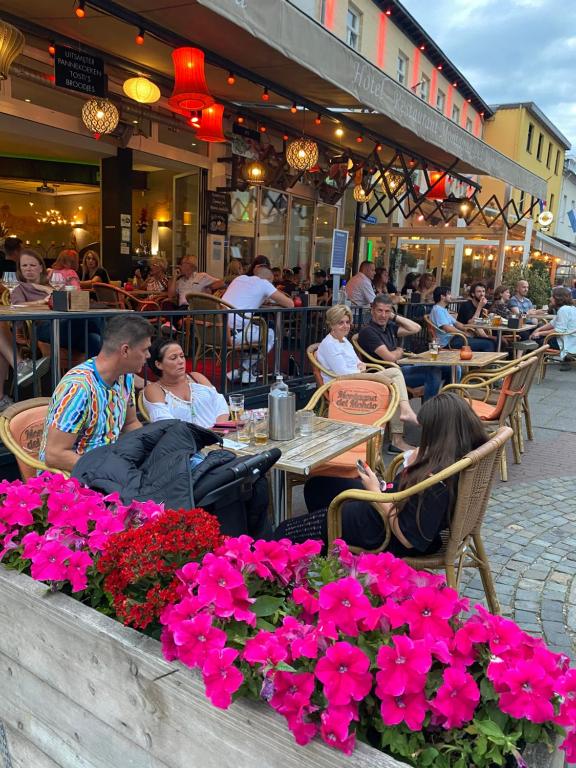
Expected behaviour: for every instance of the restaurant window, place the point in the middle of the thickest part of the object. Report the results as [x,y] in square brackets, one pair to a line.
[456,114]
[186,225]
[551,208]
[242,225]
[469,125]
[540,145]
[272,226]
[353,22]
[425,88]
[549,155]
[402,68]
[557,163]
[326,222]
[300,239]
[530,138]
[440,101]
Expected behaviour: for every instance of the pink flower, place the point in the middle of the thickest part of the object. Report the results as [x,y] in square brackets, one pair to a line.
[216,580]
[105,527]
[471,633]
[264,649]
[221,677]
[8,542]
[385,574]
[184,610]
[334,730]
[427,613]
[19,504]
[270,559]
[237,550]
[169,647]
[76,572]
[188,574]
[341,550]
[569,747]
[344,671]
[567,689]
[61,508]
[31,544]
[409,708]
[528,693]
[403,666]
[306,599]
[195,638]
[49,563]
[457,698]
[292,691]
[303,730]
[344,603]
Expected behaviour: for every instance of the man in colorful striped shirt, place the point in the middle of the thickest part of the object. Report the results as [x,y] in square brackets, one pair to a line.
[94,402]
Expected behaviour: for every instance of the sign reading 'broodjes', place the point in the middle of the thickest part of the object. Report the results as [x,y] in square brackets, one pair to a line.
[79,71]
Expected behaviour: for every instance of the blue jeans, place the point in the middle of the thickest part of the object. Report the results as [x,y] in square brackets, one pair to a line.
[429,377]
[475,343]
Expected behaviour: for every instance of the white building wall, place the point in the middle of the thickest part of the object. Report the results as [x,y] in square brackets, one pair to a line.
[567,202]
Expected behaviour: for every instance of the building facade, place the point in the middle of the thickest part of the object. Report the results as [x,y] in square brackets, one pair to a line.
[566,227]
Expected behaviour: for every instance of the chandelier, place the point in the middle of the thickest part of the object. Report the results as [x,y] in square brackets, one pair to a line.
[52,216]
[11,45]
[302,154]
[100,116]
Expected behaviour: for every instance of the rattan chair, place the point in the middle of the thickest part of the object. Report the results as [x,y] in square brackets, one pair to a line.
[413,392]
[21,428]
[463,546]
[552,353]
[433,332]
[318,369]
[142,410]
[117,298]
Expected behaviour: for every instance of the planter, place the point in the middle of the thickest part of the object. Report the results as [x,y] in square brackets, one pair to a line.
[79,690]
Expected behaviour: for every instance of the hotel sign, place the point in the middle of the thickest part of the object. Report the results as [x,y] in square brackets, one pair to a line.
[78,71]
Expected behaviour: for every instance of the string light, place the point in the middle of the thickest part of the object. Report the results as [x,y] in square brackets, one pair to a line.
[439,67]
[454,85]
[194,119]
[80,10]
[262,129]
[285,137]
[294,108]
[422,47]
[240,119]
[359,139]
[339,132]
[230,79]
[378,147]
[140,37]
[52,48]
[265,95]
[388,12]
[318,119]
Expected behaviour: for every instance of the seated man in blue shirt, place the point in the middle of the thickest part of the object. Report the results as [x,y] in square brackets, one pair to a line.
[520,304]
[380,339]
[447,326]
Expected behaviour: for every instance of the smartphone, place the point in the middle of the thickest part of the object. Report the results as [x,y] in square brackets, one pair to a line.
[361,465]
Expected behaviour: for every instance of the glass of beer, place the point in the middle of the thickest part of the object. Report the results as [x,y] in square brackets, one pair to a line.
[236,403]
[245,430]
[496,321]
[261,432]
[433,350]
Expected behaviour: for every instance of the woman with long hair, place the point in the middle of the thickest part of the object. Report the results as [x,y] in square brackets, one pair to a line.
[157,280]
[235,269]
[410,283]
[91,271]
[258,261]
[64,271]
[563,322]
[33,279]
[178,395]
[450,430]
[426,286]
[500,301]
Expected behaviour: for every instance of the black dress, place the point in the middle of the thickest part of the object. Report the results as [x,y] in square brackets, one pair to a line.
[421,521]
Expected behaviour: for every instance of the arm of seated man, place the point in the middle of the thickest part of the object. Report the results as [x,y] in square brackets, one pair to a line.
[132,421]
[60,452]
[389,356]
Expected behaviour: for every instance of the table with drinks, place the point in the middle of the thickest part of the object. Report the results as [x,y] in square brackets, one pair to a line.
[501,325]
[315,441]
[453,358]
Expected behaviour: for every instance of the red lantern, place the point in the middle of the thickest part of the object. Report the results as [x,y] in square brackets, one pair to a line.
[211,125]
[439,192]
[190,89]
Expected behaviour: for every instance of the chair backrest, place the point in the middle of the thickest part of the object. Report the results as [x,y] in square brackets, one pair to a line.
[474,486]
[514,388]
[431,329]
[209,330]
[108,294]
[317,369]
[142,406]
[21,428]
[363,401]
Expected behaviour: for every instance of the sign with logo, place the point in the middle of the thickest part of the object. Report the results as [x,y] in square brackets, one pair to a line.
[78,71]
[369,219]
[339,252]
[545,218]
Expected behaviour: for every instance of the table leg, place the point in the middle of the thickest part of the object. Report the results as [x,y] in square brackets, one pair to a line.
[55,353]
[499,347]
[278,482]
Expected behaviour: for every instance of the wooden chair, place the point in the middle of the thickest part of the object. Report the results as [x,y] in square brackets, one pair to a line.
[507,409]
[118,298]
[21,428]
[413,392]
[552,353]
[463,546]
[362,398]
[433,332]
[213,336]
[142,410]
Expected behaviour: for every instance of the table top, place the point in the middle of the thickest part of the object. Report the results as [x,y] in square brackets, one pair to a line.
[305,452]
[452,357]
[23,312]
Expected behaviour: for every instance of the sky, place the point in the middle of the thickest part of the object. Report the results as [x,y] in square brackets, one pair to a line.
[510,50]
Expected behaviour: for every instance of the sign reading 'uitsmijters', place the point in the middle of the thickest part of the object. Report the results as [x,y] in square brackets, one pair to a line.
[79,71]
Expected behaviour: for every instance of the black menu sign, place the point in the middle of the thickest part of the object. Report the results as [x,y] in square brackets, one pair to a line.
[78,71]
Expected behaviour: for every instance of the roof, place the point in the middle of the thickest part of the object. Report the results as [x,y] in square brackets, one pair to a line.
[537,113]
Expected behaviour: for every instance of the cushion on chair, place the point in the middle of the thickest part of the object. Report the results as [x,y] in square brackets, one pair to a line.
[26,429]
[491,411]
[358,401]
[343,465]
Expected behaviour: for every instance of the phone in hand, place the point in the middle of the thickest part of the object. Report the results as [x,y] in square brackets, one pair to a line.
[361,466]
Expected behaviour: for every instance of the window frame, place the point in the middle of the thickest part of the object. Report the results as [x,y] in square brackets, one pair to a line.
[425,88]
[455,114]
[402,57]
[540,147]
[469,125]
[351,30]
[530,138]
[440,93]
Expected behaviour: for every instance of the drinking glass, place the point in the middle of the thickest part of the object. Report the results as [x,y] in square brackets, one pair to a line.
[260,430]
[10,282]
[245,430]
[433,350]
[306,421]
[236,403]
[57,281]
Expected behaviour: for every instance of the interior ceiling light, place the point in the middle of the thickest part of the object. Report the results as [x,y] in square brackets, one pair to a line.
[265,95]
[190,89]
[230,79]
[140,37]
[11,45]
[80,10]
[254,172]
[360,195]
[318,119]
[302,154]
[142,90]
[100,116]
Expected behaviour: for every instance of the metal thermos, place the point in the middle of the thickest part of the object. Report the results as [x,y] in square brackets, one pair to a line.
[281,411]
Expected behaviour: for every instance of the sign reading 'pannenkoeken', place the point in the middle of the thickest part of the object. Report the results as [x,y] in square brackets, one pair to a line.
[78,71]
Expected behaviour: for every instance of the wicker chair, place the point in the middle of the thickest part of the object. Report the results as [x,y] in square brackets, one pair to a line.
[463,546]
[21,427]
[117,298]
[552,353]
[377,402]
[142,410]
[363,355]
[318,369]
[433,332]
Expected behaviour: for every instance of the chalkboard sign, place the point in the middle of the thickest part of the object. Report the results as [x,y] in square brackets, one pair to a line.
[219,202]
[78,71]
[339,252]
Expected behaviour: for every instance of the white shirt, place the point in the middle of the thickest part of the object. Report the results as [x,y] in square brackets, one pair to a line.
[337,356]
[198,282]
[360,290]
[205,404]
[246,292]
[565,322]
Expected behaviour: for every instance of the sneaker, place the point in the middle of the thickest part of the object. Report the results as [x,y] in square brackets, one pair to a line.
[249,378]
[234,375]
[26,369]
[5,402]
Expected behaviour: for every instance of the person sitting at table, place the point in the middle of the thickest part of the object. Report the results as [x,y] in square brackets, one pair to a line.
[235,268]
[382,282]
[287,284]
[157,280]
[191,281]
[450,430]
[426,286]
[519,303]
[337,354]
[64,271]
[380,338]
[499,305]
[258,261]
[250,292]
[320,287]
[178,395]
[359,288]
[446,326]
[410,283]
[472,310]
[563,322]
[91,271]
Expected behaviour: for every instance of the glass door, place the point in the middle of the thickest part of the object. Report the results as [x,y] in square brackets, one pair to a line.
[186,224]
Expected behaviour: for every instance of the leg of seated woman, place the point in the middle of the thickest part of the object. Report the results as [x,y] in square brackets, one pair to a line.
[405,412]
[7,345]
[320,491]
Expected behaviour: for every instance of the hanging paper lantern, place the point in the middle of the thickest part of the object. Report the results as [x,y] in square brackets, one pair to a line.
[254,172]
[142,90]
[440,191]
[302,154]
[11,45]
[190,89]
[210,128]
[360,194]
[100,116]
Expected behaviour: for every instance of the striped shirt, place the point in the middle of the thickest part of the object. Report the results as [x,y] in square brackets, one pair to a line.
[83,404]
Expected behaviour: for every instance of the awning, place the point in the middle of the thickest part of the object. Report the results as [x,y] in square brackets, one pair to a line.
[290,49]
[552,247]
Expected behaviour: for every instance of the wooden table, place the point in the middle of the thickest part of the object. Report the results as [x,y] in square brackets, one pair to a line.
[451,358]
[503,328]
[306,452]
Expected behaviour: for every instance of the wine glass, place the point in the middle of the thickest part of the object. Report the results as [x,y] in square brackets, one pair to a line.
[57,281]
[10,282]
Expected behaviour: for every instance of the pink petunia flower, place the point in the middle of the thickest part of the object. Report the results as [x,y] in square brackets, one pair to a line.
[8,542]
[427,613]
[385,574]
[404,666]
[49,563]
[456,699]
[334,730]
[19,504]
[528,694]
[31,544]
[569,746]
[266,649]
[566,688]
[302,729]
[76,572]
[409,708]
[195,638]
[471,633]
[216,581]
[270,559]
[292,691]
[344,603]
[221,677]
[344,672]
[307,600]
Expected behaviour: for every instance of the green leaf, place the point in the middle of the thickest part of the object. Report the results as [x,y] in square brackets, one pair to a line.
[265,625]
[428,756]
[283,667]
[266,605]
[491,730]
